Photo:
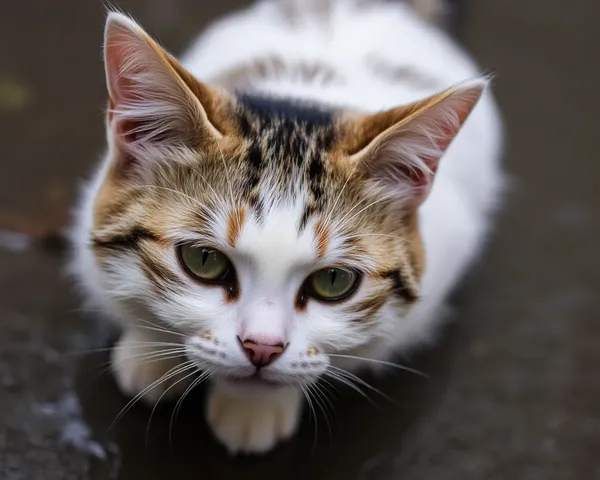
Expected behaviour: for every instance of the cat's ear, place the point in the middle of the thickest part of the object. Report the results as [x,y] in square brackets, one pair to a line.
[400,149]
[153,99]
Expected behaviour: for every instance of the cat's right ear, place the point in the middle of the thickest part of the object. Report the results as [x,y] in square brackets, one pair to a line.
[154,102]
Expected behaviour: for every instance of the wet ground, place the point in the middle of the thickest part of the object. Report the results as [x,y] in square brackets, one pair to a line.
[513,389]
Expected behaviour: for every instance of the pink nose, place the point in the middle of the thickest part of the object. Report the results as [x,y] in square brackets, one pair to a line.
[261,355]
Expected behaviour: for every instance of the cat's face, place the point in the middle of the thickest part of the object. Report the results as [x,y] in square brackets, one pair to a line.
[267,236]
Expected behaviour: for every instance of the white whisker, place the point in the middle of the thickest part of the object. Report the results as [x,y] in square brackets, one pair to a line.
[174,371]
[345,381]
[380,362]
[160,398]
[320,402]
[129,345]
[197,381]
[360,381]
[311,407]
[345,220]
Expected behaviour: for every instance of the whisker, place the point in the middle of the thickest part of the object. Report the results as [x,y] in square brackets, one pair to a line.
[345,220]
[360,381]
[116,347]
[317,395]
[329,383]
[311,407]
[361,235]
[156,354]
[197,381]
[324,392]
[348,383]
[176,370]
[381,362]
[151,358]
[160,398]
[158,328]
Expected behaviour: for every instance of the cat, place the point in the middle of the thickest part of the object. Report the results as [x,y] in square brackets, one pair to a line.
[294,200]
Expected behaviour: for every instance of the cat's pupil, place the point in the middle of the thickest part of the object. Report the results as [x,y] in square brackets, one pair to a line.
[333,276]
[204,257]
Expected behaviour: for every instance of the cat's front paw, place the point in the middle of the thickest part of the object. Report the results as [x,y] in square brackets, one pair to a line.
[255,425]
[151,372]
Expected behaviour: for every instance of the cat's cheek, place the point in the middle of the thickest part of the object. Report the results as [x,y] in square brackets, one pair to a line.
[330,328]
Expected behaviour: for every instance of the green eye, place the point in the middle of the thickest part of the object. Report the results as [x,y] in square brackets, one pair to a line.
[332,284]
[204,263]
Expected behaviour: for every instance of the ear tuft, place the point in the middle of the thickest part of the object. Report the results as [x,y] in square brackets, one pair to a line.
[400,149]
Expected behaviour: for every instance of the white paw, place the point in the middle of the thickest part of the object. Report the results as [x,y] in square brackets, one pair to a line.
[255,425]
[148,369]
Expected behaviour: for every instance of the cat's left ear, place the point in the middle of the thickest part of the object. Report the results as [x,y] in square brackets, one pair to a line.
[399,150]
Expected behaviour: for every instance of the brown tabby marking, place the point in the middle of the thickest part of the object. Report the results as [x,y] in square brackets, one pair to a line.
[272,67]
[402,73]
[234,225]
[160,275]
[322,236]
[369,307]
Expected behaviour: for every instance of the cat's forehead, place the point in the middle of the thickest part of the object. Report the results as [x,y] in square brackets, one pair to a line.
[287,149]
[274,243]
[282,134]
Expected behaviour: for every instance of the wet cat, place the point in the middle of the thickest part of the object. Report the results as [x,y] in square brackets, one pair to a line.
[294,200]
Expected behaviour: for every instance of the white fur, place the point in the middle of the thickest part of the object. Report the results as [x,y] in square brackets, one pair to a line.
[270,259]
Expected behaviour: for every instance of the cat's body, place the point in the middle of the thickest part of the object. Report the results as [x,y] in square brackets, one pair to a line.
[301,70]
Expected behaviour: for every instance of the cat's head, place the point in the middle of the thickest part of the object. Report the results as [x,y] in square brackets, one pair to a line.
[263,232]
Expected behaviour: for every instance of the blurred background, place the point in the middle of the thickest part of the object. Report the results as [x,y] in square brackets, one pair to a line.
[514,385]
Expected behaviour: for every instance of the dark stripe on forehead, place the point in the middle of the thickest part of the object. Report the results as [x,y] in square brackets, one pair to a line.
[255,166]
[287,145]
[267,107]
[309,210]
[124,241]
[315,177]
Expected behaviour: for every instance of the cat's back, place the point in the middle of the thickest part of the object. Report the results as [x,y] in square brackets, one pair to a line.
[330,50]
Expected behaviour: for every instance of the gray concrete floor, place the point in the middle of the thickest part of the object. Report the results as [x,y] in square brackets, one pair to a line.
[514,389]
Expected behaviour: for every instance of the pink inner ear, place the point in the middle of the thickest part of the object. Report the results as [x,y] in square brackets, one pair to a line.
[410,157]
[448,132]
[118,51]
[116,83]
